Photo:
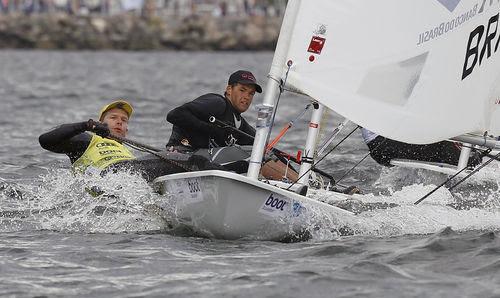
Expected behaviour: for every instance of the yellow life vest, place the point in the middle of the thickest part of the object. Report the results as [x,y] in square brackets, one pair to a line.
[101,153]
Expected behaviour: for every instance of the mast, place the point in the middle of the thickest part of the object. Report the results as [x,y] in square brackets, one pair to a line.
[272,88]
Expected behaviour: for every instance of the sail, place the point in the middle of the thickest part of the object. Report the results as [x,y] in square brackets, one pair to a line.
[495,108]
[414,71]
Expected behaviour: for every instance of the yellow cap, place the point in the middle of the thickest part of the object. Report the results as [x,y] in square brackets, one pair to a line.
[119,104]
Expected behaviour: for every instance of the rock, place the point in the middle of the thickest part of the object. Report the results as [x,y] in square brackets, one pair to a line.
[99,24]
[131,32]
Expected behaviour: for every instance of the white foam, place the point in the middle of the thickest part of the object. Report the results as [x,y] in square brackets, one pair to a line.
[60,201]
[63,202]
[397,215]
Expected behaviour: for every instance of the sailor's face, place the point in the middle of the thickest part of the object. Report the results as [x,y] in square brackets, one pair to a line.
[117,121]
[240,96]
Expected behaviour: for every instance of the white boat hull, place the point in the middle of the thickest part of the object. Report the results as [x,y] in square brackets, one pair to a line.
[227,205]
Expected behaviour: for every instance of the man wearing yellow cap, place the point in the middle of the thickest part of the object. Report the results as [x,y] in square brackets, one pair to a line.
[91,147]
[95,150]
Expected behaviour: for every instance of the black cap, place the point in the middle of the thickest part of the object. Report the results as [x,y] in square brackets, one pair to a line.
[244,77]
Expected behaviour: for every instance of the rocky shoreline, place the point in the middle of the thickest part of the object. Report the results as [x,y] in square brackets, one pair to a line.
[131,32]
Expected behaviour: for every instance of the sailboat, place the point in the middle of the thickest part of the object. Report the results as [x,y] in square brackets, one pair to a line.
[413,71]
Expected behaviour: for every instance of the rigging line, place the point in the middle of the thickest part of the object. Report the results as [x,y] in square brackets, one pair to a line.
[331,150]
[491,156]
[134,143]
[335,132]
[149,149]
[439,186]
[475,170]
[278,153]
[459,182]
[285,129]
[223,124]
[359,162]
[351,169]
[281,85]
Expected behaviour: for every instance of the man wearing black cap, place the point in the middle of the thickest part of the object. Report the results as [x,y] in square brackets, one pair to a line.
[192,129]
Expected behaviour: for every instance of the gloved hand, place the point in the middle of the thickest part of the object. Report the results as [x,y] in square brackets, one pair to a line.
[100,129]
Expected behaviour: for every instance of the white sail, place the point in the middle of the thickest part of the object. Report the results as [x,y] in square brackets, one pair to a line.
[495,107]
[415,71]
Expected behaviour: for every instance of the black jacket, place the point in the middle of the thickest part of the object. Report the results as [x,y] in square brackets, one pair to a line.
[191,123]
[70,139]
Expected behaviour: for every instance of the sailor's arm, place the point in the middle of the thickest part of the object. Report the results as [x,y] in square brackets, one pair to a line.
[194,114]
[66,138]
[184,118]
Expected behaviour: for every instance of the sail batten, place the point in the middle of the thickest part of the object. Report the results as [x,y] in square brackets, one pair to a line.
[414,71]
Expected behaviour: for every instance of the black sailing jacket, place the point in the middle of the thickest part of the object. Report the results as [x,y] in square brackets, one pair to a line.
[191,123]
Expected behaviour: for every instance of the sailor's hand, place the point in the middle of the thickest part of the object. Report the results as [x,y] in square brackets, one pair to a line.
[100,129]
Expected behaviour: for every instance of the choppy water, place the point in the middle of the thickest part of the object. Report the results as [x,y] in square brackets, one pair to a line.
[57,241]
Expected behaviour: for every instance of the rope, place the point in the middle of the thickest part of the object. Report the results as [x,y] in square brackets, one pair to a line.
[359,162]
[149,149]
[351,169]
[285,129]
[495,157]
[331,150]
[330,139]
[281,155]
